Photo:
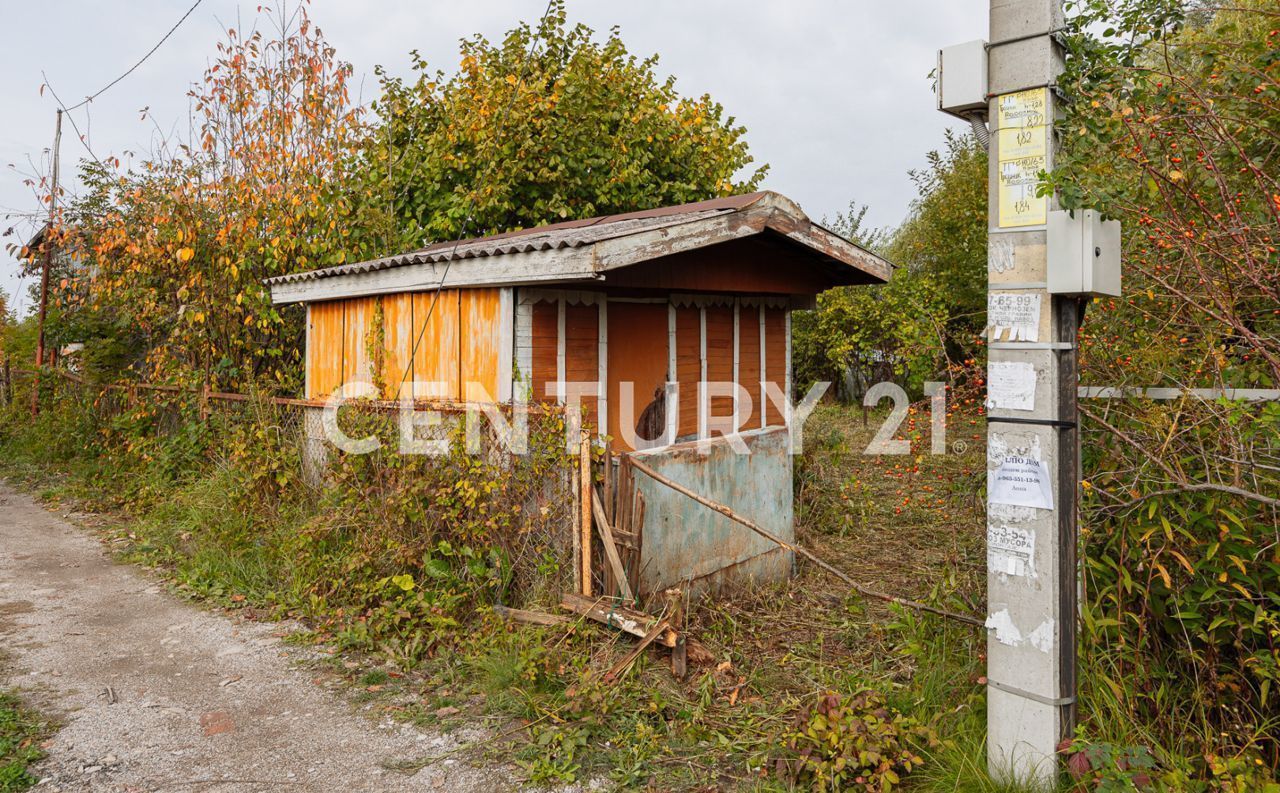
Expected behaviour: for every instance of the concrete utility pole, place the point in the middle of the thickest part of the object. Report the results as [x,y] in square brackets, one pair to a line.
[47,265]
[1042,263]
[1032,437]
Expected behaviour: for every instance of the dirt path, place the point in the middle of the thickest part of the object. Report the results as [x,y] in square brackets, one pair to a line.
[157,695]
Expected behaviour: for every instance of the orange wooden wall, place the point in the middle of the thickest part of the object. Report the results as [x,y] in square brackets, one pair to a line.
[460,333]
[358,325]
[479,338]
[324,348]
[435,361]
[775,358]
[688,367]
[639,356]
[749,363]
[398,332]
[582,353]
[720,353]
[546,351]
[457,332]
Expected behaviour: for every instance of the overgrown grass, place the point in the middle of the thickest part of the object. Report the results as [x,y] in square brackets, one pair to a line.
[21,732]
[428,648]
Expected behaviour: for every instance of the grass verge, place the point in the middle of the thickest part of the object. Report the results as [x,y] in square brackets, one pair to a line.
[789,659]
[21,732]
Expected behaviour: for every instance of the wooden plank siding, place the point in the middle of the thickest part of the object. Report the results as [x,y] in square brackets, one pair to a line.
[357,336]
[466,337]
[435,361]
[688,367]
[751,266]
[458,336]
[582,353]
[546,345]
[478,340]
[398,337]
[775,356]
[638,356]
[749,413]
[324,350]
[720,352]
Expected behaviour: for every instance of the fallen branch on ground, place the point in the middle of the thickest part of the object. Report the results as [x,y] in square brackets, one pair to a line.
[630,658]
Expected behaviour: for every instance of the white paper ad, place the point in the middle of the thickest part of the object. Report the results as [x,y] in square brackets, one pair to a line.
[1011,551]
[1022,482]
[1011,385]
[1015,314]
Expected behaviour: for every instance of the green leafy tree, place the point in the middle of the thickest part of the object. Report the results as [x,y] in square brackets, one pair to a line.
[925,323]
[547,125]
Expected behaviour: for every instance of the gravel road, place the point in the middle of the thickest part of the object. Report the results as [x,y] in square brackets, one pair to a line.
[158,695]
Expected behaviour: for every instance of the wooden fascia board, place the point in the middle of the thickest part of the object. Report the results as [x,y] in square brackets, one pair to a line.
[513,269]
[839,249]
[632,249]
[636,248]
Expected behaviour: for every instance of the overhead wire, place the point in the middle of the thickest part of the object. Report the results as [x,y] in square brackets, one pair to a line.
[84,141]
[533,46]
[66,110]
[141,61]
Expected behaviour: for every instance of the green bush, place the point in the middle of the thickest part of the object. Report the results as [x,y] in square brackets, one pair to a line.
[928,318]
[843,743]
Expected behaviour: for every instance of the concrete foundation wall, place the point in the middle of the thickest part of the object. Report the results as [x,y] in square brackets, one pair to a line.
[688,545]
[315,447]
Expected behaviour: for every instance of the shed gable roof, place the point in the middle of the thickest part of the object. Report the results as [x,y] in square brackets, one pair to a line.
[585,250]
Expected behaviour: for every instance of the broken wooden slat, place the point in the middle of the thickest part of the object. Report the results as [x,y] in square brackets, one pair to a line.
[616,615]
[608,481]
[529,617]
[622,532]
[679,653]
[610,549]
[637,528]
[630,658]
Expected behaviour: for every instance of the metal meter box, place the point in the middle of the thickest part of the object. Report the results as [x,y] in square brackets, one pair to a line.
[1084,254]
[962,79]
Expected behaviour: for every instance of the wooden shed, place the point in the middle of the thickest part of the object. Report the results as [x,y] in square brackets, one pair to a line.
[672,325]
[688,295]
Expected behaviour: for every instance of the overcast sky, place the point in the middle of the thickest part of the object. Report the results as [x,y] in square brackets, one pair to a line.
[835,94]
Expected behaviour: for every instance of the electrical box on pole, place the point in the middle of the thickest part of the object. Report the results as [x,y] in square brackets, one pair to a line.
[1084,254]
[962,79]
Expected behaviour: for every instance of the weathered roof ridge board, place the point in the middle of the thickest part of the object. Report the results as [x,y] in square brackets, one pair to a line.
[580,250]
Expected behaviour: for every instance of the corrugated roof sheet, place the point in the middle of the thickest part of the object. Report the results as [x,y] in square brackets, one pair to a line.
[568,234]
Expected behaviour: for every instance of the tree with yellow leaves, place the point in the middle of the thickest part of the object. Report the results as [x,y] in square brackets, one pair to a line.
[179,245]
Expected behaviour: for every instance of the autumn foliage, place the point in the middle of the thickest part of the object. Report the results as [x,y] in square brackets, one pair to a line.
[284,173]
[181,243]
[550,124]
[1172,129]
